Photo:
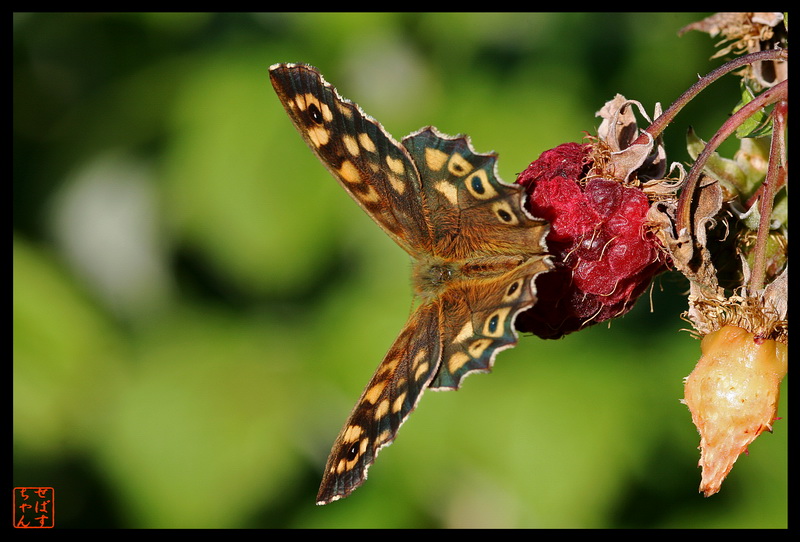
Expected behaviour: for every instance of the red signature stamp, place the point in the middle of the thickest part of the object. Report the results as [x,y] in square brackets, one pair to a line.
[34,507]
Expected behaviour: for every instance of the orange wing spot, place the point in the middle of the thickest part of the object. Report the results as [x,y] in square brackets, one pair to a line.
[352,433]
[349,172]
[319,136]
[422,369]
[435,159]
[396,165]
[366,142]
[457,361]
[477,348]
[397,405]
[351,145]
[381,410]
[458,165]
[373,394]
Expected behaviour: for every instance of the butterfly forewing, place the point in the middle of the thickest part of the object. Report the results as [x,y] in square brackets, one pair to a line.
[384,405]
[374,168]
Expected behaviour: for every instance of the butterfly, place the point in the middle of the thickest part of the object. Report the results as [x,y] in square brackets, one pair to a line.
[475,253]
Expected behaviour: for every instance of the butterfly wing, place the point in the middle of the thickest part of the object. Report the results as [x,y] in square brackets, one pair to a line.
[473,214]
[478,318]
[371,166]
[388,399]
[496,248]
[457,333]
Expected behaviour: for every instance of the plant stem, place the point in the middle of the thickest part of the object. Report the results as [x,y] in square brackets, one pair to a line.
[663,121]
[776,175]
[683,217]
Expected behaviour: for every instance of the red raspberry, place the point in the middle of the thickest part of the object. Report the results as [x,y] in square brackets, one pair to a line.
[604,259]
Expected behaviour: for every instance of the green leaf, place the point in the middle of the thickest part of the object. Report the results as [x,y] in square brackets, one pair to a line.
[757,125]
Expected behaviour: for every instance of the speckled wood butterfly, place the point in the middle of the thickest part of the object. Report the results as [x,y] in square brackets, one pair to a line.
[475,254]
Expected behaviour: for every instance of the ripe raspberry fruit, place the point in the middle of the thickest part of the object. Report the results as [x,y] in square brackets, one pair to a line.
[604,258]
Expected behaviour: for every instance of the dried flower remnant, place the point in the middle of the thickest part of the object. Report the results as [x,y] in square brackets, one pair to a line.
[747,33]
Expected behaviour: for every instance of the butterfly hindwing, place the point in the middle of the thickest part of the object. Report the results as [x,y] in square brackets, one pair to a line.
[487,310]
[472,212]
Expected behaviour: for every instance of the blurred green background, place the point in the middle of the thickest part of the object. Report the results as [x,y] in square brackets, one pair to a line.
[198,305]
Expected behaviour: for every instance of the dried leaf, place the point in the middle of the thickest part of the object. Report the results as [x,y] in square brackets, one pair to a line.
[690,256]
[776,294]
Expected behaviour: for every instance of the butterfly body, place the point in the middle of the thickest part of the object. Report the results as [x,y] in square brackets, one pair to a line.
[475,253]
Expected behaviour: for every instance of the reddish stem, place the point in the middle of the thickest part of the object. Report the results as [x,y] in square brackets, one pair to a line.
[757,194]
[777,93]
[663,121]
[776,175]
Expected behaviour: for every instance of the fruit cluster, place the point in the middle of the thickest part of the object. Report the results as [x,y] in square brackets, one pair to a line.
[604,256]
